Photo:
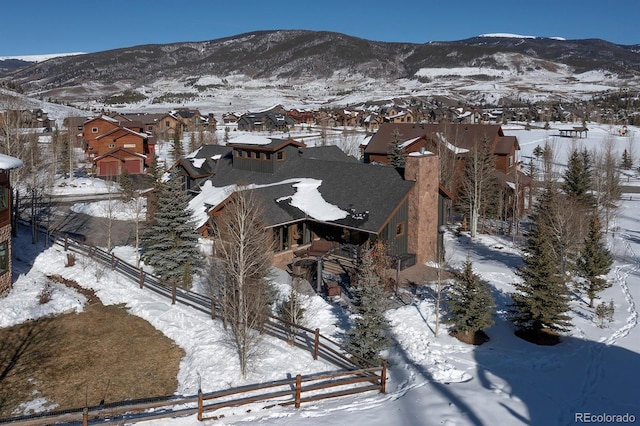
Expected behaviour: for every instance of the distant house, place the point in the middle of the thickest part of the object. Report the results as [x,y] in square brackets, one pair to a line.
[167,125]
[7,164]
[320,193]
[114,146]
[273,119]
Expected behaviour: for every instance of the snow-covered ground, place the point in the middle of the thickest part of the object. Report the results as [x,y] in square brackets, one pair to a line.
[432,381]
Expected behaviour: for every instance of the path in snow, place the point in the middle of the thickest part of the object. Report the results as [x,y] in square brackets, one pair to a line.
[595,367]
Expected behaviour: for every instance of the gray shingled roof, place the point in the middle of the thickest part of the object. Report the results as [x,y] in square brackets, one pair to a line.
[370,192]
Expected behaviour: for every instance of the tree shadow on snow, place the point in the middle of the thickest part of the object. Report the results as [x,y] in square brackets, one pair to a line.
[480,252]
[556,383]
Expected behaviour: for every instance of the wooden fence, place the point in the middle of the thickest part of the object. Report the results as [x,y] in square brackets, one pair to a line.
[291,391]
[357,375]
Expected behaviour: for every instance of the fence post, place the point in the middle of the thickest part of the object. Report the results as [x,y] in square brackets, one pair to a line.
[316,343]
[199,404]
[213,309]
[173,293]
[113,261]
[141,278]
[383,377]
[298,390]
[85,416]
[66,243]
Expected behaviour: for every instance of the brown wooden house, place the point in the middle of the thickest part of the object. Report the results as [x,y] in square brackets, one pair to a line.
[7,164]
[114,146]
[460,140]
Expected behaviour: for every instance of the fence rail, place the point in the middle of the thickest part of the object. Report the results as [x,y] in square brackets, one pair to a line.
[355,371]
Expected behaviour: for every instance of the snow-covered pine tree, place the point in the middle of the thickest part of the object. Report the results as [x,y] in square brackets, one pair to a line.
[471,306]
[369,334]
[171,243]
[396,151]
[542,298]
[594,261]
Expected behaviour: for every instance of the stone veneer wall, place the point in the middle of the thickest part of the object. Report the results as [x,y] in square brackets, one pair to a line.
[5,279]
[423,206]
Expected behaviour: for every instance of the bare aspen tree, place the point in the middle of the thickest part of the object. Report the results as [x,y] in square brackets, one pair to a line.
[244,253]
[349,143]
[479,181]
[606,182]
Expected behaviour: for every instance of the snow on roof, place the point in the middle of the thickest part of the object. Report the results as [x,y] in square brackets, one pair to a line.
[407,143]
[193,154]
[197,162]
[251,140]
[7,162]
[449,145]
[366,140]
[307,198]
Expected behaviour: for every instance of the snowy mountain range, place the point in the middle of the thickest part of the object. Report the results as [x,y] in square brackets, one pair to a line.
[300,69]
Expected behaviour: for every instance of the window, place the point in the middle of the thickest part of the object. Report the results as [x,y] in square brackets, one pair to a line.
[4,257]
[4,198]
[268,155]
[511,161]
[94,130]
[280,155]
[112,145]
[400,229]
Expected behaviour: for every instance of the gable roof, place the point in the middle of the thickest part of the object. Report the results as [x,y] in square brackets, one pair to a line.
[119,132]
[260,143]
[457,135]
[120,154]
[367,194]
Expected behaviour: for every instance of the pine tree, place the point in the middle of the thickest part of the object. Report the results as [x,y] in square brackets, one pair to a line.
[594,261]
[171,242]
[471,306]
[396,152]
[368,336]
[578,177]
[542,298]
[126,186]
[537,152]
[176,147]
[627,161]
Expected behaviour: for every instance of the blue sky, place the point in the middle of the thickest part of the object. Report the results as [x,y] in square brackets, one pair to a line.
[63,26]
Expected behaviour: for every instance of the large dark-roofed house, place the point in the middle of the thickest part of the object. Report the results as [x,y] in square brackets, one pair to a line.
[320,193]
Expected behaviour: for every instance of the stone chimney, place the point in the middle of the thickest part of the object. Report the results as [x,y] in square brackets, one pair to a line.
[423,169]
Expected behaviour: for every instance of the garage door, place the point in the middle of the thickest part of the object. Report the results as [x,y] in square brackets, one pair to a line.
[108,168]
[133,166]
